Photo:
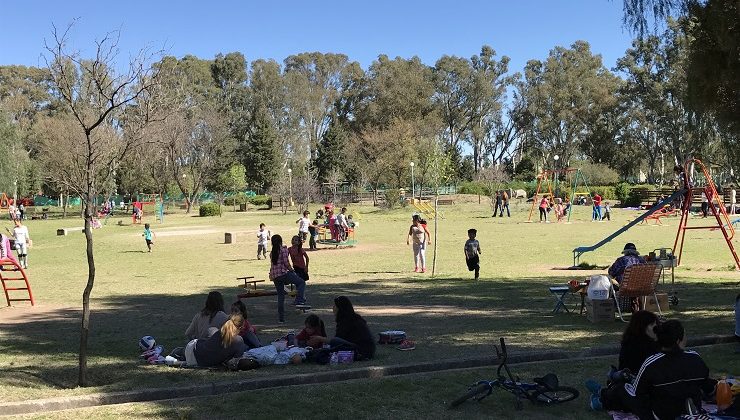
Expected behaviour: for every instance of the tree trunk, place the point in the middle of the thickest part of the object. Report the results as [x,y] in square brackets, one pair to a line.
[188,204]
[436,218]
[65,202]
[85,330]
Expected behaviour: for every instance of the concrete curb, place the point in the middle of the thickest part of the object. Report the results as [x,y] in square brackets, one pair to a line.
[215,388]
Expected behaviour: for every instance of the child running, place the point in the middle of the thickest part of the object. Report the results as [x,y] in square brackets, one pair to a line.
[263,239]
[148,235]
[313,327]
[299,258]
[472,253]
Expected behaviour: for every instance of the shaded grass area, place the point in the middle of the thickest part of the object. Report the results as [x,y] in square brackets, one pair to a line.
[449,316]
[414,396]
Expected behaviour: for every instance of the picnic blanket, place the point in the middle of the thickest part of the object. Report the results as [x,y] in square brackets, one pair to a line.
[621,415]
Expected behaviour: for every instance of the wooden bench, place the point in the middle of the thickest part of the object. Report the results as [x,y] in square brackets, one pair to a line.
[446,202]
[64,231]
[251,290]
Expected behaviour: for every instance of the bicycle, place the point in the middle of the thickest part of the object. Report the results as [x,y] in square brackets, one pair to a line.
[544,391]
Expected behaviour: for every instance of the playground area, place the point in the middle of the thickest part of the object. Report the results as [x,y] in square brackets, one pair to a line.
[449,316]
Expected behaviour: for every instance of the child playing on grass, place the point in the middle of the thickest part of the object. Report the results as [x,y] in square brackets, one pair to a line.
[313,327]
[607,211]
[303,225]
[22,242]
[247,331]
[299,258]
[263,238]
[472,252]
[313,231]
[148,235]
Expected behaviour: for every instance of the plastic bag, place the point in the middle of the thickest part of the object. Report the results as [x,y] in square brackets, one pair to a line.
[598,287]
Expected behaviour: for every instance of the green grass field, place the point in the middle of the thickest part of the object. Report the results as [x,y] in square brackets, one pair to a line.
[449,315]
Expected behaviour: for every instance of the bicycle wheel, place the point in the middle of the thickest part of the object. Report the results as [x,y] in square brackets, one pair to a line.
[477,390]
[559,395]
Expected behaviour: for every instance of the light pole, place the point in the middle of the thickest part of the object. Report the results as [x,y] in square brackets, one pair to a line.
[556,157]
[290,186]
[413,191]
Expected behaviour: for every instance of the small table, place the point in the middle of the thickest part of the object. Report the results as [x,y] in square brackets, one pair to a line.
[560,292]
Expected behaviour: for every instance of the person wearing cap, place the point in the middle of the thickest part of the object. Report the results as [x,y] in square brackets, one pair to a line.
[629,257]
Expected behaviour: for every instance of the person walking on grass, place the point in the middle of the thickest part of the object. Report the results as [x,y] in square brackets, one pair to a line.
[418,233]
[472,253]
[596,213]
[299,258]
[607,211]
[733,199]
[148,236]
[22,242]
[263,239]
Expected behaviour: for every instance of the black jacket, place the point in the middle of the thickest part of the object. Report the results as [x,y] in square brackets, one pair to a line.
[634,351]
[665,381]
[357,332]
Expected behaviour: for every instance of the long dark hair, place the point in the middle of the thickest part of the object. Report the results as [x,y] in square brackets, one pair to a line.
[316,323]
[638,323]
[214,303]
[239,307]
[669,334]
[277,243]
[345,311]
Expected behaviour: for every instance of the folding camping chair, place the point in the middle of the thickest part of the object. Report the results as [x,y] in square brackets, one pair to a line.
[639,281]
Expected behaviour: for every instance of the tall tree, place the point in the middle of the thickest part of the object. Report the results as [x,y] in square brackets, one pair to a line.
[559,94]
[110,112]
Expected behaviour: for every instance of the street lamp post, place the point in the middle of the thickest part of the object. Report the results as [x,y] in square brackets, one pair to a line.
[556,157]
[290,186]
[413,190]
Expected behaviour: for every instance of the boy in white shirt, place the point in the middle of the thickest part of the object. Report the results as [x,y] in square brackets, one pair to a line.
[263,239]
[303,224]
[22,240]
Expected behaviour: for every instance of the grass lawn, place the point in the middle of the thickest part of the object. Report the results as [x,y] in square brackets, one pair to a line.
[415,396]
[449,316]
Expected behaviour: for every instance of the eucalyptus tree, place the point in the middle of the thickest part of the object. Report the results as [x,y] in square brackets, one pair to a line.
[470,95]
[559,97]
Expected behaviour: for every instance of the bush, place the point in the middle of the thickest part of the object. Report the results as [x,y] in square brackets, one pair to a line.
[237,199]
[473,187]
[599,174]
[622,191]
[209,209]
[392,198]
[261,200]
[606,192]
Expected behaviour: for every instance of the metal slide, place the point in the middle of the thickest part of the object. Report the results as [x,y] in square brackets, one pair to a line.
[583,249]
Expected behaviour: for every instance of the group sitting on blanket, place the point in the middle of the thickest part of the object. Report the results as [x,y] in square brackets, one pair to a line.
[217,338]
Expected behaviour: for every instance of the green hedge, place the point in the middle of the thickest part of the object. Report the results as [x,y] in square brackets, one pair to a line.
[209,209]
[473,187]
[261,200]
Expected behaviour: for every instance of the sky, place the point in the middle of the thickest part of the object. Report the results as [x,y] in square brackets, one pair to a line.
[522,30]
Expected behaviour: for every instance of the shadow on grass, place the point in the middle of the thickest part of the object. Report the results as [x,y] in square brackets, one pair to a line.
[448,318]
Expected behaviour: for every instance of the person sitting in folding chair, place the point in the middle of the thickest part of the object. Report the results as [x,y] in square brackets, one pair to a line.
[629,257]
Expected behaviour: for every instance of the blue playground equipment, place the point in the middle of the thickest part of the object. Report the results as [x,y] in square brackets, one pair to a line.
[583,249]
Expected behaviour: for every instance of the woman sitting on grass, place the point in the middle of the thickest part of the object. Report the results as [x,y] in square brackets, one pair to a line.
[352,332]
[209,319]
[638,343]
[664,382]
[219,348]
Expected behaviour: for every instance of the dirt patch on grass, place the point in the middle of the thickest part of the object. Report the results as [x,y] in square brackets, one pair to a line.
[11,315]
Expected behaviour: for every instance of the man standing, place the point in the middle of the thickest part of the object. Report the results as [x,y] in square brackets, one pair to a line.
[596,214]
[497,207]
[505,204]
[733,199]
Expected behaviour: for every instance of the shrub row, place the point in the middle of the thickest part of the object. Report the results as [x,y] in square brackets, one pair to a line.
[209,209]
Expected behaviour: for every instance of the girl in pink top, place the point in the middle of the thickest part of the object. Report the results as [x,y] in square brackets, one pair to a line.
[544,204]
